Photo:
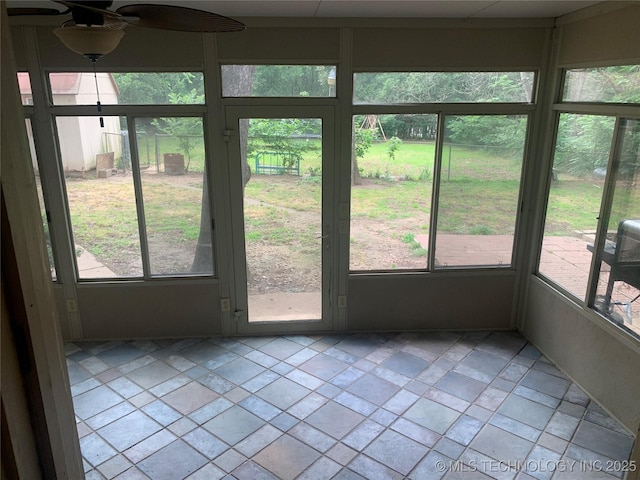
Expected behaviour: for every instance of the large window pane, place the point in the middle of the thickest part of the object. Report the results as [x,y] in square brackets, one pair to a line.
[618,292]
[579,168]
[101,197]
[619,84]
[443,87]
[172,158]
[132,88]
[479,190]
[391,191]
[278,81]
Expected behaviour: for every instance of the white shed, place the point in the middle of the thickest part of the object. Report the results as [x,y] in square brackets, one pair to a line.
[81,138]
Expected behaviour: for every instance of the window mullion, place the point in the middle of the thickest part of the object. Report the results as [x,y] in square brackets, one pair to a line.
[137,187]
[437,175]
[605,213]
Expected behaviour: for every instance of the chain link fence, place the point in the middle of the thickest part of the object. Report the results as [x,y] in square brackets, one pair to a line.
[153,147]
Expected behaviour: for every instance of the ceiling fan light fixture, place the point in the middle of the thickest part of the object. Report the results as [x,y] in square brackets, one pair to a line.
[92,42]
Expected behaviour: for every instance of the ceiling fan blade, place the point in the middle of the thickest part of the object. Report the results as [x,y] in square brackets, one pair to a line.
[16,11]
[171,17]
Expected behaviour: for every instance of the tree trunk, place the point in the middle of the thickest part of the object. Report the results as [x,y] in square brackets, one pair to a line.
[527,86]
[238,81]
[356,179]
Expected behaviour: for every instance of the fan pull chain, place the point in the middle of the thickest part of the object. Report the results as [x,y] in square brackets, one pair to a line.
[99,105]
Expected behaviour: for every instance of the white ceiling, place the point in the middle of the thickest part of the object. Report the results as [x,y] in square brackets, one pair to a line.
[367,8]
[393,8]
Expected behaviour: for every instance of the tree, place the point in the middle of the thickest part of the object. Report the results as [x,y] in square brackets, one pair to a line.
[238,81]
[288,135]
[410,127]
[158,88]
[438,87]
[290,80]
[142,88]
[362,140]
[583,143]
[620,84]
[392,147]
[502,131]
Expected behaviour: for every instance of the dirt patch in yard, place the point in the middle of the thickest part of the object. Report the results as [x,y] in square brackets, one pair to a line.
[278,269]
[374,245]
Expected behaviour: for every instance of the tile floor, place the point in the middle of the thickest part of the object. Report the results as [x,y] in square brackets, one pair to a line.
[421,406]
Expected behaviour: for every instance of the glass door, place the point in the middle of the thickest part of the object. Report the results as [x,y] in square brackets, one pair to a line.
[282,235]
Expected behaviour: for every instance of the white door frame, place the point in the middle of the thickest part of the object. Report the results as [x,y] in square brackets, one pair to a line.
[239,294]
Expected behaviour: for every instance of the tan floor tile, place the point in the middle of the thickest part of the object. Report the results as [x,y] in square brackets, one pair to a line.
[190,397]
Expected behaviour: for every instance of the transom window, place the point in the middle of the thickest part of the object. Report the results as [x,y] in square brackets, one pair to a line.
[443,87]
[278,80]
[130,88]
[617,84]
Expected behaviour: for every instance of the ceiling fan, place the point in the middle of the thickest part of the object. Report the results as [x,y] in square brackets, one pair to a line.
[94,30]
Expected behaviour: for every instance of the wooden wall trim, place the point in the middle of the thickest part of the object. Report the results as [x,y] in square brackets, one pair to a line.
[19,450]
[26,276]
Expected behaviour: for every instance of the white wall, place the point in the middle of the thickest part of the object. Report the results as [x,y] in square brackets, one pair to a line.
[171,309]
[441,301]
[594,357]
[454,47]
[612,37]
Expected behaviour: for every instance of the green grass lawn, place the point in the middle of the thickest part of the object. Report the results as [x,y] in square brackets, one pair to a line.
[413,161]
[104,218]
[381,199]
[573,205]
[478,195]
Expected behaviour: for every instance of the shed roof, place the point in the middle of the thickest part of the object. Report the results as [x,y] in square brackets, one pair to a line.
[61,83]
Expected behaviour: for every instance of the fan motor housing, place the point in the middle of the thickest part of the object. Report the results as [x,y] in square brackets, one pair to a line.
[88,16]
